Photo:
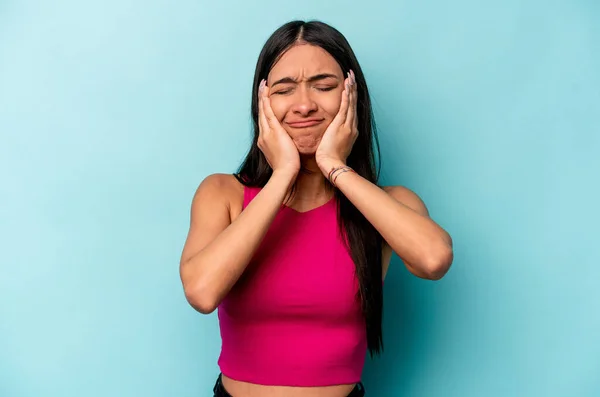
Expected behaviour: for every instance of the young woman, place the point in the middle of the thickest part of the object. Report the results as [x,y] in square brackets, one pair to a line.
[293,249]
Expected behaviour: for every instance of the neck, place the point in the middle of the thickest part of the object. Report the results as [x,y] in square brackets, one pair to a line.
[311,186]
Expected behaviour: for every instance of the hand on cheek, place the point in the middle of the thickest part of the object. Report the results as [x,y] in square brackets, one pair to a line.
[276,145]
[338,139]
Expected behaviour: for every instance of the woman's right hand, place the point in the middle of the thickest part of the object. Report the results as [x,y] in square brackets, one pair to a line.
[275,143]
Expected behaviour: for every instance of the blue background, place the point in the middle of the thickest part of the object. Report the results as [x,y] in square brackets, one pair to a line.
[112,112]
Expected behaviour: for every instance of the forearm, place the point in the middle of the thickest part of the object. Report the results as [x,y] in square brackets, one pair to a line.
[418,240]
[211,273]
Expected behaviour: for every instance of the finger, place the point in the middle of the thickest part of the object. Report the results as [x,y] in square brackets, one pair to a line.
[355,104]
[269,115]
[351,113]
[343,112]
[262,119]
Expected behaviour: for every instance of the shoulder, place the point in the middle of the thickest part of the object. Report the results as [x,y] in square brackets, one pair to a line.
[220,184]
[407,197]
[221,189]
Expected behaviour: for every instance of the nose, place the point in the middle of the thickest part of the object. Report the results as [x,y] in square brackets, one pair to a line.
[304,104]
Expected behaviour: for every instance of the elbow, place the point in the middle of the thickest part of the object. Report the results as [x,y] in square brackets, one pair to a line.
[440,263]
[201,301]
[198,291]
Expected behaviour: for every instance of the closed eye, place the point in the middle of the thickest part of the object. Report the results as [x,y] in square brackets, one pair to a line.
[288,90]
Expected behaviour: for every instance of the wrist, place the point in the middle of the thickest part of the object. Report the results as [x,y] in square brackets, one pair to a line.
[336,172]
[285,176]
[327,166]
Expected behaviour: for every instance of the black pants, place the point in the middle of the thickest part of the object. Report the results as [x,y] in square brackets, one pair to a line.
[219,390]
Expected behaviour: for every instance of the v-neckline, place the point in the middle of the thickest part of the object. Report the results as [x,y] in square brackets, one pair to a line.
[312,209]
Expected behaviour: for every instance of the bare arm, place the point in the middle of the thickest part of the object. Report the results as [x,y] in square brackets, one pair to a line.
[398,214]
[403,221]
[217,251]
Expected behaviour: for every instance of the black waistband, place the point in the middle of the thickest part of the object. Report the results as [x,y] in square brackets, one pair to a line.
[219,390]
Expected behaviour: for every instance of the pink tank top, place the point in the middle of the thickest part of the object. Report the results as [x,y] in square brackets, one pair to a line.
[294,318]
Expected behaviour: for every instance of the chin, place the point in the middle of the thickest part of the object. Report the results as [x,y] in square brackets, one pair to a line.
[307,147]
[307,151]
[307,142]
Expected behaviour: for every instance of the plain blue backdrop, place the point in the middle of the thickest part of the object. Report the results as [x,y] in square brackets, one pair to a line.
[112,112]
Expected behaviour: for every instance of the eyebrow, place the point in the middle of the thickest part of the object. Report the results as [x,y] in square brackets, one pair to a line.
[311,79]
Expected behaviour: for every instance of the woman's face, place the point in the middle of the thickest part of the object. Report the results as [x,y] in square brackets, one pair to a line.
[305,90]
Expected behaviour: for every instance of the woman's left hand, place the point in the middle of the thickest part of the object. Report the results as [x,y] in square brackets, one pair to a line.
[337,141]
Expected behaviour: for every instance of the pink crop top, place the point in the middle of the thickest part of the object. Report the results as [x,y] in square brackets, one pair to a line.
[293,318]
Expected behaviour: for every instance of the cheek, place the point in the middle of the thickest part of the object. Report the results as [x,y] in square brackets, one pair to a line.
[279,106]
[331,104]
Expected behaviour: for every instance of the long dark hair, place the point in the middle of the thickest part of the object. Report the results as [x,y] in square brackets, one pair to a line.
[363,241]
